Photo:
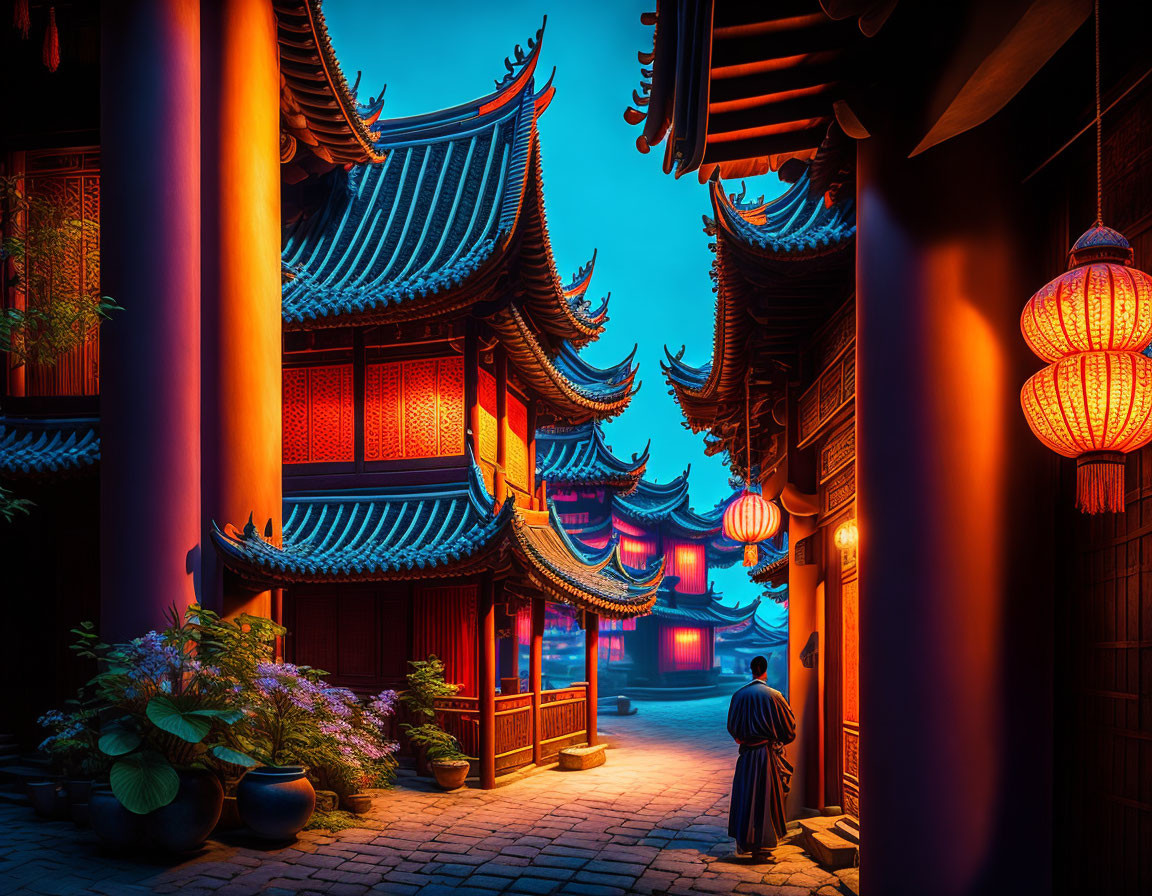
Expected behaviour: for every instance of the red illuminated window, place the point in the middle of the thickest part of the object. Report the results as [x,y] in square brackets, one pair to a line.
[486,399]
[414,409]
[684,648]
[517,444]
[318,414]
[685,559]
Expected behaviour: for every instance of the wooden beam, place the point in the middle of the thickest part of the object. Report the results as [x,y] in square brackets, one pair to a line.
[535,665]
[486,681]
[591,656]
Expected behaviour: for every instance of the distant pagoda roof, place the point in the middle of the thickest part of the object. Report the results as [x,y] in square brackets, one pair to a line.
[754,635]
[781,268]
[442,531]
[698,609]
[58,447]
[317,108]
[455,209]
[573,456]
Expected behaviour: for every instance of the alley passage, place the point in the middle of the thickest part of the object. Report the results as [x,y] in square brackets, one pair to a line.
[653,819]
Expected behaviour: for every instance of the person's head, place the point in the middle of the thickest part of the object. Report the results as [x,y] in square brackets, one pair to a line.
[759,667]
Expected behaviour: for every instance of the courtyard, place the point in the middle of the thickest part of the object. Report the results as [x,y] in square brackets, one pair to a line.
[651,820]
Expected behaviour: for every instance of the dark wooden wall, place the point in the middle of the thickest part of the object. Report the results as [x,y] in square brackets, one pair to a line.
[1103,698]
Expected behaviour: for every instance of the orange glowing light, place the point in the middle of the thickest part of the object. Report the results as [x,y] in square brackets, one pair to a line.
[847,535]
[750,519]
[1094,401]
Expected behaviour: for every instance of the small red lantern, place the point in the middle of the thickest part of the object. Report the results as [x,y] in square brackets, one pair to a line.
[750,520]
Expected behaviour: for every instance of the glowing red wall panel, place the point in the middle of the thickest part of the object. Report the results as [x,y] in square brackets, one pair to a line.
[686,560]
[318,414]
[414,409]
[486,399]
[517,444]
[611,649]
[683,648]
[444,624]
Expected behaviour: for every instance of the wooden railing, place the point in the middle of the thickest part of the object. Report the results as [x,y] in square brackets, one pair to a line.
[563,719]
[563,722]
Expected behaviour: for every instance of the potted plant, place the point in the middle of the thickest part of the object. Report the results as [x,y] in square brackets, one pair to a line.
[71,747]
[432,744]
[449,764]
[308,733]
[164,713]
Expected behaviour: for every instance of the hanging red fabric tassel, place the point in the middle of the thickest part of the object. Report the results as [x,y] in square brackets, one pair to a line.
[21,18]
[52,42]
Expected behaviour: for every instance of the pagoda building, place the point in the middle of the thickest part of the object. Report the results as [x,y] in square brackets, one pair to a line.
[603,500]
[736,646]
[426,337]
[783,360]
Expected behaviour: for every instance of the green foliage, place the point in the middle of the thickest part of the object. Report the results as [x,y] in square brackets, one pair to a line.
[426,683]
[438,744]
[10,505]
[144,781]
[336,820]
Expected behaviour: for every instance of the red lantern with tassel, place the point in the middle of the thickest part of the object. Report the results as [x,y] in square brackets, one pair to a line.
[1094,401]
[51,42]
[22,18]
[750,520]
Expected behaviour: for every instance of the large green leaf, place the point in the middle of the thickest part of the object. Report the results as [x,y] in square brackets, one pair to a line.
[117,740]
[144,781]
[233,757]
[227,716]
[191,726]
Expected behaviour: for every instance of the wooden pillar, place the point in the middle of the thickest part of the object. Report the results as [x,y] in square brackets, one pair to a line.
[486,681]
[591,656]
[278,618]
[501,426]
[150,530]
[535,676]
[241,352]
[803,682]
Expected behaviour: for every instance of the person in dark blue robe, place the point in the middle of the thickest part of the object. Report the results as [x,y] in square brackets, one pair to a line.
[760,720]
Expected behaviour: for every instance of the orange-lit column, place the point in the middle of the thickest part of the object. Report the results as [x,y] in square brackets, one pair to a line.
[956,520]
[533,496]
[535,676]
[591,656]
[486,682]
[472,386]
[150,257]
[803,683]
[241,311]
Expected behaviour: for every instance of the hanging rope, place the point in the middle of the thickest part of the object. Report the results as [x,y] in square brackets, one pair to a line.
[748,427]
[1099,126]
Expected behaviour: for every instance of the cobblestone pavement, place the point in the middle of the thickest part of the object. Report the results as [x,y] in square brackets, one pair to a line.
[652,820]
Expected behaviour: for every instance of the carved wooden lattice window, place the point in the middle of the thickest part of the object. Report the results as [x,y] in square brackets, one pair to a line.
[486,399]
[318,414]
[517,444]
[68,272]
[414,409]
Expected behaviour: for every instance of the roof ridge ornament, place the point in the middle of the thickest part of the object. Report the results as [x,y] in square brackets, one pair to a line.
[521,58]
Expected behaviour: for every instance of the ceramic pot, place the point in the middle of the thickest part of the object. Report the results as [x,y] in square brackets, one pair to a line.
[78,794]
[276,801]
[357,803]
[49,799]
[229,815]
[116,827]
[185,823]
[450,773]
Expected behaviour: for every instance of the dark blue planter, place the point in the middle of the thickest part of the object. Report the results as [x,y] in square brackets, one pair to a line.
[49,799]
[185,823]
[116,827]
[276,802]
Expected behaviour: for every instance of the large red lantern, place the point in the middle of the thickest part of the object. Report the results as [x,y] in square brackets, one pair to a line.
[1094,402]
[750,520]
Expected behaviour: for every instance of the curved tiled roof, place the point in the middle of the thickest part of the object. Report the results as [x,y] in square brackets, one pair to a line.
[445,530]
[798,223]
[699,609]
[318,108]
[48,447]
[773,563]
[578,455]
[755,634]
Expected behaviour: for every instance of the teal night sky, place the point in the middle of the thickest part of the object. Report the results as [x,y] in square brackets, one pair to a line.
[601,193]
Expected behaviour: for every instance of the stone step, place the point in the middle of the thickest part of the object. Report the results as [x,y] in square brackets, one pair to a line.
[7,738]
[832,851]
[15,777]
[574,759]
[849,881]
[848,828]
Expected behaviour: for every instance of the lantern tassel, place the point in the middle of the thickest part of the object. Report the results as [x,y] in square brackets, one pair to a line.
[751,554]
[1100,482]
[52,42]
[21,18]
